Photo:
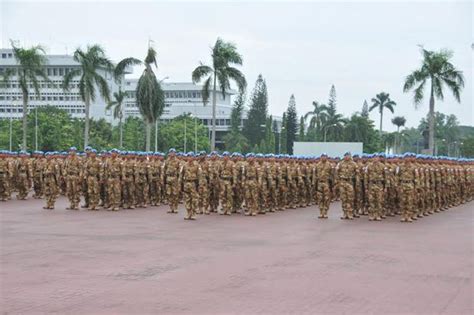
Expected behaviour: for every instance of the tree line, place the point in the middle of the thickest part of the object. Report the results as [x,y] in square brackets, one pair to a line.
[260,132]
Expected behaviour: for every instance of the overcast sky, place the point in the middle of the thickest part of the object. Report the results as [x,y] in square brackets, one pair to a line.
[302,48]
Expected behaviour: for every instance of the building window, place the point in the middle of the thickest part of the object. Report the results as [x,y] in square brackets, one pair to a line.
[4,56]
[61,71]
[49,71]
[227,122]
[55,71]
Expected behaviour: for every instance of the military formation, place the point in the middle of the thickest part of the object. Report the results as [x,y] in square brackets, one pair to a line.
[373,185]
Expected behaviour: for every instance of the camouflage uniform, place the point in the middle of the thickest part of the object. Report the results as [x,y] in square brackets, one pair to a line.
[346,175]
[324,173]
[228,176]
[113,173]
[38,167]
[252,176]
[51,181]
[92,171]
[128,183]
[190,175]
[24,174]
[173,184]
[406,175]
[73,173]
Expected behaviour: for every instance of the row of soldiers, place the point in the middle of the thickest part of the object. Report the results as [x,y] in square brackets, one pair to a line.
[376,185]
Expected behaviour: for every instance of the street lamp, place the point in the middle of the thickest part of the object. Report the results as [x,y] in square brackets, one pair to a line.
[326,130]
[279,141]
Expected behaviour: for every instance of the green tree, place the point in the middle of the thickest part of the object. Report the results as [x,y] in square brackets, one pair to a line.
[283,135]
[318,117]
[257,114]
[31,69]
[436,68]
[174,133]
[365,109]
[291,124]
[361,129]
[332,122]
[446,132]
[92,62]
[235,140]
[398,121]
[301,136]
[381,101]
[133,134]
[150,95]
[267,144]
[224,56]
[117,106]
[467,147]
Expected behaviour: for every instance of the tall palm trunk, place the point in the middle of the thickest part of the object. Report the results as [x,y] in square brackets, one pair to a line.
[147,135]
[214,104]
[120,131]
[431,122]
[86,126]
[25,119]
[381,119]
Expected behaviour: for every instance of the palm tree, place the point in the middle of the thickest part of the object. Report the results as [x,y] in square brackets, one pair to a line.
[318,116]
[381,101]
[150,95]
[224,55]
[398,121]
[92,62]
[437,68]
[31,64]
[332,123]
[118,110]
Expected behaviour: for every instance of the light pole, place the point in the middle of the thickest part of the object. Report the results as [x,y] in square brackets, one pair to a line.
[279,141]
[195,129]
[11,129]
[36,127]
[157,120]
[326,130]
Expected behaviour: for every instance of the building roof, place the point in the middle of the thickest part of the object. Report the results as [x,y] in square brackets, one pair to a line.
[131,84]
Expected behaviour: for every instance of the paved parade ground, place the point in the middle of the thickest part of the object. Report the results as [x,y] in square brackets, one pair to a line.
[147,261]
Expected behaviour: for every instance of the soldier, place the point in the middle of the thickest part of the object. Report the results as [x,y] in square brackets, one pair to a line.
[214,182]
[92,171]
[113,174]
[376,175]
[141,180]
[51,180]
[84,189]
[272,179]
[4,175]
[228,176]
[406,174]
[172,180]
[190,173]
[251,176]
[238,187]
[346,176]
[73,173]
[24,175]
[324,174]
[203,184]
[155,178]
[38,165]
[282,183]
[128,180]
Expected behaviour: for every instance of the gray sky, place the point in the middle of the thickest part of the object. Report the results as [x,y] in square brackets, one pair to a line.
[361,47]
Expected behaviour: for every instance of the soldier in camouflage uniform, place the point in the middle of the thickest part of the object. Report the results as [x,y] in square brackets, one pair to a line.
[38,165]
[113,175]
[228,176]
[73,173]
[141,180]
[92,171]
[324,173]
[376,175]
[4,176]
[24,174]
[252,176]
[128,181]
[406,175]
[203,184]
[346,176]
[50,180]
[172,180]
[190,173]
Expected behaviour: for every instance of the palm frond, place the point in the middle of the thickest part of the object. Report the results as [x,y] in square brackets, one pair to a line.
[200,72]
[206,90]
[120,68]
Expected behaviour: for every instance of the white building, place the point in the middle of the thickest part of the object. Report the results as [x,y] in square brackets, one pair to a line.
[51,93]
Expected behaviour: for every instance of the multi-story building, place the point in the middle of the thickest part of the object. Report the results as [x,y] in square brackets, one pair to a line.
[51,93]
[186,98]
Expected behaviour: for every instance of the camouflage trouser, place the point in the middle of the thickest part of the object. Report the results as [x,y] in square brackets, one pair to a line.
[155,192]
[237,199]
[38,186]
[128,197]
[214,196]
[140,194]
[104,198]
[73,190]
[406,200]
[324,198]
[420,197]
[191,198]
[4,193]
[172,193]
[85,193]
[226,195]
[272,195]
[390,205]
[293,195]
[282,200]
[301,189]
[23,184]
[346,190]
[203,197]
[376,198]
[114,193]
[251,197]
[358,198]
[93,191]
[51,191]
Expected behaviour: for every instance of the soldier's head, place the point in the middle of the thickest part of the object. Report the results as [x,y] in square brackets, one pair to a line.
[93,153]
[72,151]
[324,157]
[172,153]
[225,155]
[114,153]
[347,156]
